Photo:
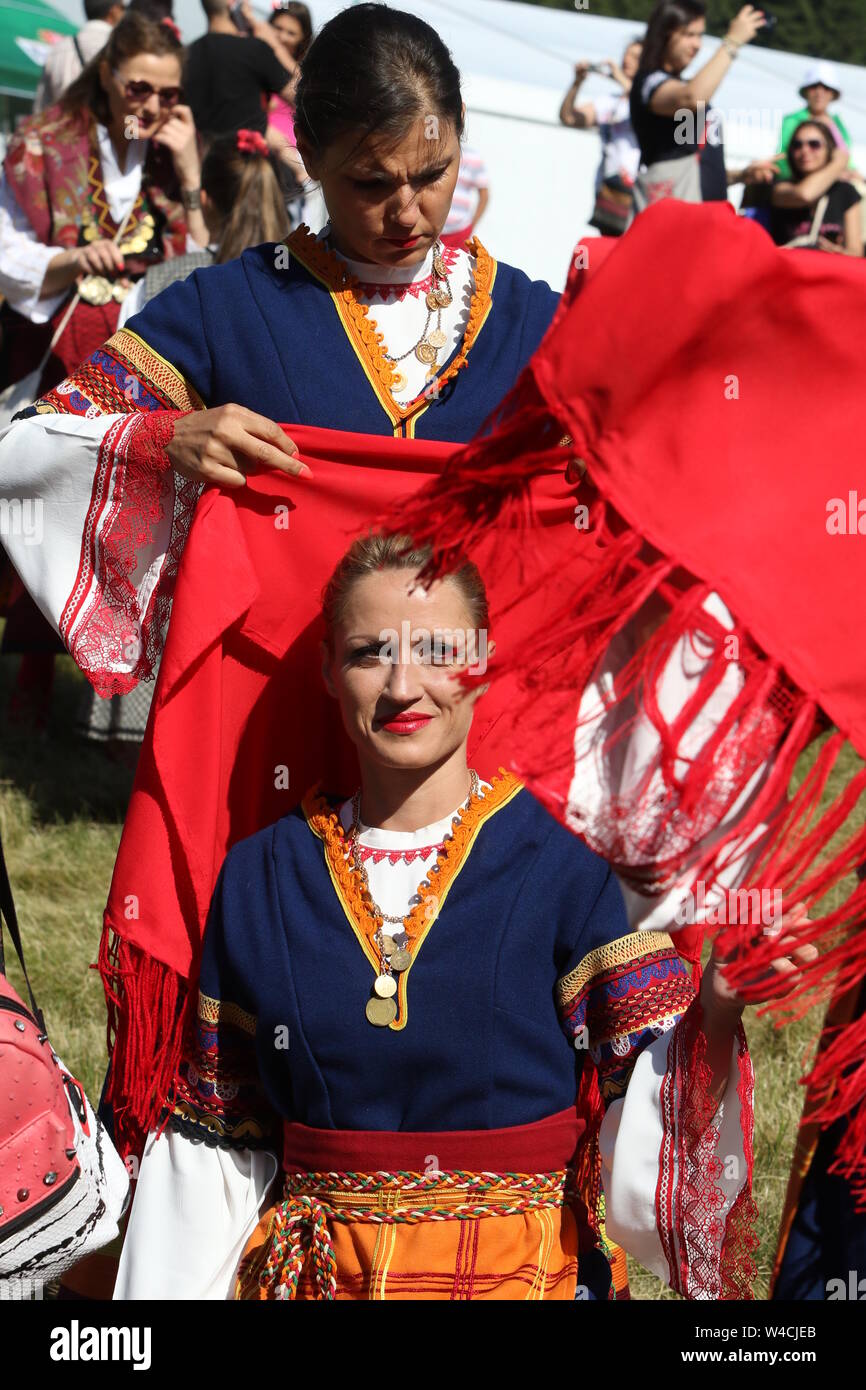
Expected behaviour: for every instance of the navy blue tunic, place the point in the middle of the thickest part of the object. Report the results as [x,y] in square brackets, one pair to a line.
[271,339]
[483,1046]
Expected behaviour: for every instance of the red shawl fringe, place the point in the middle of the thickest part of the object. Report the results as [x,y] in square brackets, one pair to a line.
[146,1005]
[615,584]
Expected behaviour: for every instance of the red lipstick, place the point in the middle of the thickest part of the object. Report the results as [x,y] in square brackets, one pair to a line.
[402,241]
[409,722]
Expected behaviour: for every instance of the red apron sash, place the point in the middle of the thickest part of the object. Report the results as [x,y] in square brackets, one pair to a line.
[545,1146]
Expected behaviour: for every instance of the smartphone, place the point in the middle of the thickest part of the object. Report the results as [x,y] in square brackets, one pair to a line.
[240,20]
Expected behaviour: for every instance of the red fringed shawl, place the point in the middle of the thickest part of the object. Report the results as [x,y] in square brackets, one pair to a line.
[710,385]
[707,381]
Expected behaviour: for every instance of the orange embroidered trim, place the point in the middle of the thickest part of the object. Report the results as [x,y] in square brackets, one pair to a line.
[362,331]
[355,899]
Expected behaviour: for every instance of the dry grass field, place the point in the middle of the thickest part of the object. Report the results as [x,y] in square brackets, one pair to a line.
[62,804]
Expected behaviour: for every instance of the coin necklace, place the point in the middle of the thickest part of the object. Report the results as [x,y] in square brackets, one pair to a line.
[393,947]
[427,348]
[98,289]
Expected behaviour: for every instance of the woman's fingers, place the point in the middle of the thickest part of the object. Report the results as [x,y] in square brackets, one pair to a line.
[222,445]
[261,440]
[103,255]
[795,956]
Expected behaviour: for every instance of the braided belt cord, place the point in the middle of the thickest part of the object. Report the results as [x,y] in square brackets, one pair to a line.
[300,1230]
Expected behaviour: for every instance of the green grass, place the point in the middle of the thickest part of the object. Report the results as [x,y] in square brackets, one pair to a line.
[62,804]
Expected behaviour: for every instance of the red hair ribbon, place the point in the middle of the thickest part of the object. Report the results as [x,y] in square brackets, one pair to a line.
[170,24]
[251,142]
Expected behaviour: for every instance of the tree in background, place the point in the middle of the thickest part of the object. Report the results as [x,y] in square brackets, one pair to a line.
[833,29]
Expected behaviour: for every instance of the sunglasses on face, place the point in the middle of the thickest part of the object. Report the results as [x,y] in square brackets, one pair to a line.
[808,145]
[141,91]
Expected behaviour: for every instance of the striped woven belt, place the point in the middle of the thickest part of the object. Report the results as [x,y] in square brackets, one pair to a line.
[299,1229]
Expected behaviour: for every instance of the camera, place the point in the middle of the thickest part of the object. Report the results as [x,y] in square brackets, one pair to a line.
[770,21]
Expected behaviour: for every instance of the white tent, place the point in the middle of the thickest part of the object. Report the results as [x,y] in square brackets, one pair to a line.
[517,61]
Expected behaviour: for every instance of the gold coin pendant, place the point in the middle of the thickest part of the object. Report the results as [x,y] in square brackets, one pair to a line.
[381,1012]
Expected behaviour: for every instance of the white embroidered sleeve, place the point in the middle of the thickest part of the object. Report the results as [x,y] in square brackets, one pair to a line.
[613,771]
[193,1212]
[671,1179]
[88,520]
[24,261]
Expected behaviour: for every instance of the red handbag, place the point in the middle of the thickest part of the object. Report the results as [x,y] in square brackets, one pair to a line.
[62,1185]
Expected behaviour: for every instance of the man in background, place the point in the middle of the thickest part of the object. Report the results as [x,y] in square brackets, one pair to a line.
[67,57]
[228,78]
[820,90]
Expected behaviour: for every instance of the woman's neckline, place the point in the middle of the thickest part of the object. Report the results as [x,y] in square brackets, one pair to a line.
[374,837]
[369,273]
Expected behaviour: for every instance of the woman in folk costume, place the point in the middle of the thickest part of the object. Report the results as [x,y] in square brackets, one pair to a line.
[118,153]
[401,994]
[370,326]
[95,190]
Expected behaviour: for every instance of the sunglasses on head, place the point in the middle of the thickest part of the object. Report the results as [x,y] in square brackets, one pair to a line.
[808,145]
[141,91]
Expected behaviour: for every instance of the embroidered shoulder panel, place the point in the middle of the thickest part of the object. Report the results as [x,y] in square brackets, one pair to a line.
[620,998]
[218,1096]
[125,375]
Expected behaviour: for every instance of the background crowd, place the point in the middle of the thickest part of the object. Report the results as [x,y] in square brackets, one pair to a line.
[662,138]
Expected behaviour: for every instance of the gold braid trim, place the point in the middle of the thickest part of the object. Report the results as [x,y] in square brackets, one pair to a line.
[153,368]
[217,1011]
[620,952]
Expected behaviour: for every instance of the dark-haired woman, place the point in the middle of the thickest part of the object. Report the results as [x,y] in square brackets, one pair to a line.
[117,155]
[816,206]
[371,326]
[292,25]
[118,151]
[679,134]
[291,30]
[243,205]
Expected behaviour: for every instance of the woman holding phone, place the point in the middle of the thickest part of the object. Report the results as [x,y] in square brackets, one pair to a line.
[679,134]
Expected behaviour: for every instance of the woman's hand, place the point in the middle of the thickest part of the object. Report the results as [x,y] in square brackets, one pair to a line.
[723,1005]
[95,258]
[762,170]
[100,257]
[744,26]
[581,70]
[221,446]
[179,138]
